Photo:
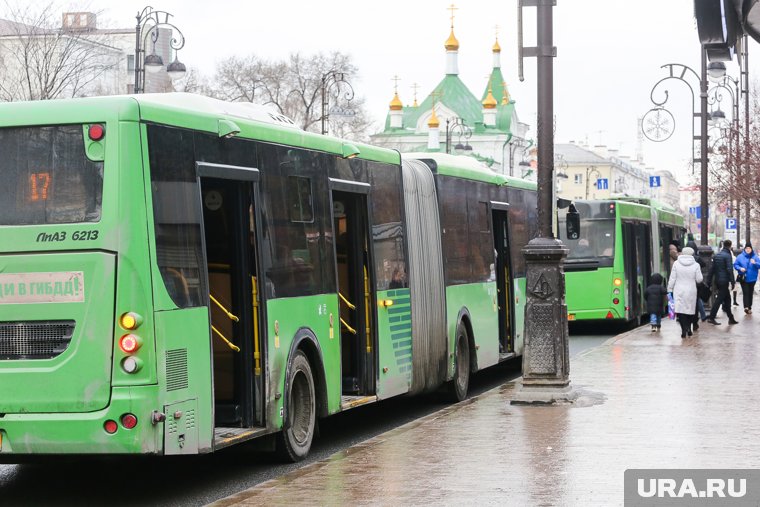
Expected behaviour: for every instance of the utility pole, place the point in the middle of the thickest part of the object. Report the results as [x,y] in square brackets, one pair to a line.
[546,367]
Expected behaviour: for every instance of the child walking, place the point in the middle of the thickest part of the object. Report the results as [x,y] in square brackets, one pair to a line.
[655,294]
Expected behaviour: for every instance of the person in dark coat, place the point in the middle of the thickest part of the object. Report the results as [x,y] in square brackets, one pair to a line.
[722,273]
[654,294]
[700,314]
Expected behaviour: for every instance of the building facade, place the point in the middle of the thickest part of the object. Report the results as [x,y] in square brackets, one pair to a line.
[89,60]
[600,173]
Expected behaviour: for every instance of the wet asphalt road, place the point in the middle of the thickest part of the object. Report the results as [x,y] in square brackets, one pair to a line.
[203,479]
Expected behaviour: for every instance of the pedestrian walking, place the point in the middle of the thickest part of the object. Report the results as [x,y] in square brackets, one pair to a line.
[655,294]
[747,265]
[700,313]
[722,273]
[683,285]
[734,253]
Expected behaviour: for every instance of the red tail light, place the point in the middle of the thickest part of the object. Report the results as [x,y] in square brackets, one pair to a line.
[609,315]
[110,426]
[129,421]
[129,343]
[615,301]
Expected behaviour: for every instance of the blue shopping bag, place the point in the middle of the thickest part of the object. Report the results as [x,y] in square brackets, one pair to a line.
[671,307]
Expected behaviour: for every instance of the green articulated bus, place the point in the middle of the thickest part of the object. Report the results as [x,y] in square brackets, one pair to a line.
[180,274]
[622,242]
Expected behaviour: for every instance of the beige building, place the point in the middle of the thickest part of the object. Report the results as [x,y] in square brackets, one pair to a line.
[601,173]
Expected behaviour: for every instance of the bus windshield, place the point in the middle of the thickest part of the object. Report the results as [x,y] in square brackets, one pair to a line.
[47,177]
[597,240]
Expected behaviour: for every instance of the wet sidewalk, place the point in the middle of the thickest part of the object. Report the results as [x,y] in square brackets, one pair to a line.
[668,403]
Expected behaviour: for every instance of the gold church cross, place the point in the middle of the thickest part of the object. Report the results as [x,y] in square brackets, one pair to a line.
[395,80]
[414,87]
[452,8]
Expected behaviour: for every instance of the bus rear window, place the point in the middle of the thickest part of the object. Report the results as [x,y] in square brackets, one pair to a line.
[47,178]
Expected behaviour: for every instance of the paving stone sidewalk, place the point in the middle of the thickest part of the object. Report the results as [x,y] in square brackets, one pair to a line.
[667,403]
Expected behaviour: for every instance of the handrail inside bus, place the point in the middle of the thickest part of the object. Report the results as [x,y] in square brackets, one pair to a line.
[229,314]
[225,340]
[348,328]
[348,303]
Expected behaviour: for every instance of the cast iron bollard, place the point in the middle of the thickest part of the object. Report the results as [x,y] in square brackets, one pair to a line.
[546,367]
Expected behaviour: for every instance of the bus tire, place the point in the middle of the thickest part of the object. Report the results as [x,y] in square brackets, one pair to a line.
[294,441]
[459,385]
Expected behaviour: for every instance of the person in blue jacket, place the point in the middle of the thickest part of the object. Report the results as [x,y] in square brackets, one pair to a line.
[747,265]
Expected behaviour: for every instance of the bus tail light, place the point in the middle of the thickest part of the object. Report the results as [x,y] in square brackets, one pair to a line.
[609,315]
[131,364]
[617,282]
[130,321]
[129,343]
[616,291]
[110,426]
[129,421]
[615,301]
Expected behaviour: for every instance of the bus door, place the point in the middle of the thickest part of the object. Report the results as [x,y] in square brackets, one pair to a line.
[228,197]
[356,288]
[631,269]
[644,255]
[503,275]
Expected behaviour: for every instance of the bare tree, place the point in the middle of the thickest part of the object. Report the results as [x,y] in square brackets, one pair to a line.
[42,58]
[294,88]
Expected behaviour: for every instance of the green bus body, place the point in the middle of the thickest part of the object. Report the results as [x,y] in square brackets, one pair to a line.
[186,197]
[608,282]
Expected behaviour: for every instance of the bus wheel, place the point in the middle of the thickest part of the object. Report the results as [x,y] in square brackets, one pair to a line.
[294,441]
[461,381]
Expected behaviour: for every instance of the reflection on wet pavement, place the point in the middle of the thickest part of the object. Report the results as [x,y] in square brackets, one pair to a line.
[670,403]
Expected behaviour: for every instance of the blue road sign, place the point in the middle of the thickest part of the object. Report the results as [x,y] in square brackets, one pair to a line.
[697,211]
[654,181]
[602,184]
[730,223]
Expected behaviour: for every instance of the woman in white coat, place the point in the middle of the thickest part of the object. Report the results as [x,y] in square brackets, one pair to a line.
[684,278]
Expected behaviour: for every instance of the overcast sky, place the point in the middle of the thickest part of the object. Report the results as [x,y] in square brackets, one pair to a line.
[609,53]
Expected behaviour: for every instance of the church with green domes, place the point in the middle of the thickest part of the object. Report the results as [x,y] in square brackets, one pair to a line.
[487,129]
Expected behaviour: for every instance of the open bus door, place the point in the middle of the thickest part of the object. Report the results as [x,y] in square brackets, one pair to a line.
[356,290]
[631,268]
[228,200]
[503,273]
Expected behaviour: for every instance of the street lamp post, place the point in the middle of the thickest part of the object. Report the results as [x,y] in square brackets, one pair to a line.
[723,82]
[546,367]
[333,80]
[658,125]
[457,125]
[149,21]
[592,170]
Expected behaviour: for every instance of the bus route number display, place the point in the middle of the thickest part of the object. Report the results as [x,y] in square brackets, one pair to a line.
[38,186]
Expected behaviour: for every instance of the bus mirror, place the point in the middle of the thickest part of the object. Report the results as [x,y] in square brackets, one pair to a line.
[573,223]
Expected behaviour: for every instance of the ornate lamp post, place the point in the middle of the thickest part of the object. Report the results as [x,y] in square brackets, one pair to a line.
[658,124]
[332,83]
[457,125]
[546,366]
[149,21]
[591,171]
[724,83]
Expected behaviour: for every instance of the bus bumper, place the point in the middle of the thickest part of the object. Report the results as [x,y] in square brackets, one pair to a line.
[596,314]
[25,435]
